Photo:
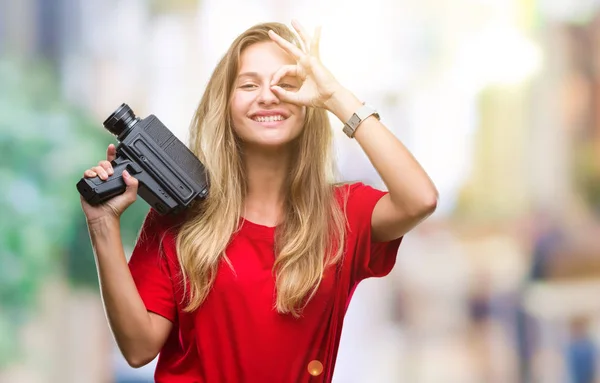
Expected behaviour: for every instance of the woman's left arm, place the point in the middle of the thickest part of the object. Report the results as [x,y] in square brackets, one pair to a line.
[412,195]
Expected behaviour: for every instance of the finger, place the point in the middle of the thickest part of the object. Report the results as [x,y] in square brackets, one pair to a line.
[285,96]
[286,70]
[302,33]
[286,45]
[107,166]
[314,47]
[132,184]
[89,173]
[101,172]
[111,153]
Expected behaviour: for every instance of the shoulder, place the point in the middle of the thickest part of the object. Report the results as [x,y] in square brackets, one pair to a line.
[165,222]
[356,193]
[343,190]
[157,227]
[156,244]
[358,201]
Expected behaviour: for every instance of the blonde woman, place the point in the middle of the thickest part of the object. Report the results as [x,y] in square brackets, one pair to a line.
[252,283]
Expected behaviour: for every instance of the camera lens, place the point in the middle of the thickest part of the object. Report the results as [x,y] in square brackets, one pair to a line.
[121,120]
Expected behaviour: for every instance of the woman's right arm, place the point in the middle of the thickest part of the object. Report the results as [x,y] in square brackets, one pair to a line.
[140,334]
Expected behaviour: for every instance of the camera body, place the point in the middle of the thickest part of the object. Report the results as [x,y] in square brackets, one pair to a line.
[170,176]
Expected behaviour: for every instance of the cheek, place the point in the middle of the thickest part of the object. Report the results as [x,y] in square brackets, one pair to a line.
[237,110]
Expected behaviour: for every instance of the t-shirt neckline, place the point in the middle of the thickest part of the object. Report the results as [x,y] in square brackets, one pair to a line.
[256,230]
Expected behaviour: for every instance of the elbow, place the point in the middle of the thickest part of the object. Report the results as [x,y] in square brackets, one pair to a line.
[138,361]
[430,201]
[425,207]
[430,204]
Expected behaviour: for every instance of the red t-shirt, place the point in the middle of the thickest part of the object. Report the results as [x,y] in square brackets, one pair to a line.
[236,335]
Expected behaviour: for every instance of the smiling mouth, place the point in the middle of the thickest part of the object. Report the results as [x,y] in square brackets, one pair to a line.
[268,118]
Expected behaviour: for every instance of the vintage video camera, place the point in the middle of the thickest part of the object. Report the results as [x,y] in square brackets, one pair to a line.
[170,176]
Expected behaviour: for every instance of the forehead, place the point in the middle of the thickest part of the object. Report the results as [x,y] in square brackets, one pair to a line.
[264,58]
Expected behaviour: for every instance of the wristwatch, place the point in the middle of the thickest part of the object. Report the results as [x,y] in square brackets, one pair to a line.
[359,116]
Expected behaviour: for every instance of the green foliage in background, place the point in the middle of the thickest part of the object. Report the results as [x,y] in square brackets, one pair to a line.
[45,144]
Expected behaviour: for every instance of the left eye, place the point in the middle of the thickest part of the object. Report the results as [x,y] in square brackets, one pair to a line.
[289,86]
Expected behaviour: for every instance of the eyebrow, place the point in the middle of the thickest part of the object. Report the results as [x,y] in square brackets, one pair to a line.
[248,74]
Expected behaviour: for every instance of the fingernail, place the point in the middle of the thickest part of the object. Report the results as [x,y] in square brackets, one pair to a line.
[125,173]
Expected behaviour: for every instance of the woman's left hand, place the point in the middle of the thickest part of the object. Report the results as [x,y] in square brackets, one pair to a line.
[318,84]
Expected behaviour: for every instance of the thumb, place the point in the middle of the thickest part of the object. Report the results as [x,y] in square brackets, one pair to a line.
[132,184]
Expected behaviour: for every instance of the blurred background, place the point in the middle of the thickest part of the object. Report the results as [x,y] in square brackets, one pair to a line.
[498,99]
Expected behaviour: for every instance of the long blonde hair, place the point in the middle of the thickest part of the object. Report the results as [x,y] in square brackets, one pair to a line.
[312,233]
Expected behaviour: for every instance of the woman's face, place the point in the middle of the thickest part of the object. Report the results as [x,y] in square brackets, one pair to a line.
[259,118]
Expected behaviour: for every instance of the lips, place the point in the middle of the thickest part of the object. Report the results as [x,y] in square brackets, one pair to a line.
[274,118]
[269,116]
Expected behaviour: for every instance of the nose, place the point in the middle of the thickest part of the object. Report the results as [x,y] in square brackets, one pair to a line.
[267,97]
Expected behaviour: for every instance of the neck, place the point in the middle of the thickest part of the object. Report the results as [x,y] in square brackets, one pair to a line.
[266,174]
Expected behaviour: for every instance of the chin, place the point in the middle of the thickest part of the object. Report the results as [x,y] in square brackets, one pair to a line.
[273,144]
[271,138]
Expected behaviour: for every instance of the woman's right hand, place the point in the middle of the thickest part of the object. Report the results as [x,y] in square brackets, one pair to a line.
[114,207]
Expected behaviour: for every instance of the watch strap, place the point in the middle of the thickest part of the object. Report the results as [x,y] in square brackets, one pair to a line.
[359,116]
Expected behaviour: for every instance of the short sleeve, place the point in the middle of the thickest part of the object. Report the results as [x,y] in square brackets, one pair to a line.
[152,269]
[369,259]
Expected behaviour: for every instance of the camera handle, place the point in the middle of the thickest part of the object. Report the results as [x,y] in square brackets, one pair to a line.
[96,191]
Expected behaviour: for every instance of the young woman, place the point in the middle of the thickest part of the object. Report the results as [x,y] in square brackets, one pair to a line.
[252,283]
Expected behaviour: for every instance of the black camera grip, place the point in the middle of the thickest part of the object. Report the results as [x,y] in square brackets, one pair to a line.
[96,191]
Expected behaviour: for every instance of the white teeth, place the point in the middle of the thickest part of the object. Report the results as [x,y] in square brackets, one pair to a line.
[269,118]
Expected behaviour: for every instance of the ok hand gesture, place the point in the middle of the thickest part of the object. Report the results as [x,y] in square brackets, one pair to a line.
[318,84]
